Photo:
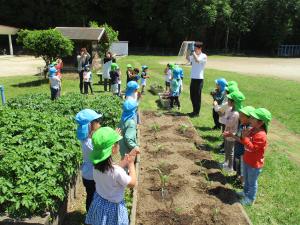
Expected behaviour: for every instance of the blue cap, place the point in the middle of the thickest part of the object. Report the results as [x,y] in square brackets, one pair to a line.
[52,71]
[131,87]
[176,73]
[144,67]
[129,109]
[83,118]
[222,83]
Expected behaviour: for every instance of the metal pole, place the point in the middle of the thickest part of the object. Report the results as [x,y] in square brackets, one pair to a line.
[2,94]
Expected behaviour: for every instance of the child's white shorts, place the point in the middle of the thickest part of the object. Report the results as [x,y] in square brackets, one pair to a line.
[143,82]
[115,88]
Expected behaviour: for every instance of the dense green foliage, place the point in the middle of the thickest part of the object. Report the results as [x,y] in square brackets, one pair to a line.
[112,35]
[48,44]
[39,152]
[248,24]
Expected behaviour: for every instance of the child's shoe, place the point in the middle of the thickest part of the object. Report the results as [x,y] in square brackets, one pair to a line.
[246,201]
[228,170]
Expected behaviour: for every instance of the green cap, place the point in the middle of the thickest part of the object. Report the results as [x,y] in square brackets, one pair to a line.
[238,97]
[247,110]
[231,89]
[262,114]
[171,65]
[114,66]
[103,140]
[232,82]
[129,66]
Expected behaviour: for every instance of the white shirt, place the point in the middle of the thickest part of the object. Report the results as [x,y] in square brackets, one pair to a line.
[106,70]
[197,71]
[87,76]
[111,184]
[168,76]
[87,166]
[54,82]
[232,122]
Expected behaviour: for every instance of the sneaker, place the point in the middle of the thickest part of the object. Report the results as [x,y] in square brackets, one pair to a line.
[241,194]
[223,165]
[228,170]
[246,201]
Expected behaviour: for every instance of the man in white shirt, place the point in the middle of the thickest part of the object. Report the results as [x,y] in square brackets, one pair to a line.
[198,61]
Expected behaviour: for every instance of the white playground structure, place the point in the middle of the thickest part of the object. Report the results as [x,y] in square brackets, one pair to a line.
[185,52]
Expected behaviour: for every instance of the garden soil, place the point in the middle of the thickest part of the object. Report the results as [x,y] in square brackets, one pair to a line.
[195,192]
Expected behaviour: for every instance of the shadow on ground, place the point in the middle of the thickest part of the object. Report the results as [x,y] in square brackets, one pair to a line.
[34,83]
[74,218]
[226,195]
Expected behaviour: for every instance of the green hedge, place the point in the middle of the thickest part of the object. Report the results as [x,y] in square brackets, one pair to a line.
[39,152]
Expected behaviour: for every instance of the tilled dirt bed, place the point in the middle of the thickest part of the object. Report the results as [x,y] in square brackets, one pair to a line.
[195,190]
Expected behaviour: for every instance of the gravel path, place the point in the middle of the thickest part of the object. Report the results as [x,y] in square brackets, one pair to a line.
[19,65]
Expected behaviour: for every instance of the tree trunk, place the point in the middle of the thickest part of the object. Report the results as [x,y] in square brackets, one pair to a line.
[239,44]
[226,39]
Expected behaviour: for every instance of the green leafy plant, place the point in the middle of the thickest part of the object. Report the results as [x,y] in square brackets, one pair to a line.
[39,151]
[155,128]
[158,148]
[112,36]
[183,128]
[163,181]
[48,44]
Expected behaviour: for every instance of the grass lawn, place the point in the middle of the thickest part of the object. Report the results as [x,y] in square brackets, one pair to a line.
[279,189]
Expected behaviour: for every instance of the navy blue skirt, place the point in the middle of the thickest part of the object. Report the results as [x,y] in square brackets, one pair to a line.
[104,212]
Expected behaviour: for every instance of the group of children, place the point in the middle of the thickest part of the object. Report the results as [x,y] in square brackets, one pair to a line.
[105,180]
[55,77]
[245,135]
[112,76]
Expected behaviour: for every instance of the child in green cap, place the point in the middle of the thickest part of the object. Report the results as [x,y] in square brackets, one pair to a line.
[129,73]
[108,205]
[244,118]
[254,140]
[114,78]
[235,100]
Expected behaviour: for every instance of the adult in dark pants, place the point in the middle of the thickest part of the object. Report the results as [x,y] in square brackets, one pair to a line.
[88,122]
[198,61]
[107,61]
[82,60]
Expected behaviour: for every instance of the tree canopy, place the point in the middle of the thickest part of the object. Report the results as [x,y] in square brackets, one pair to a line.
[237,24]
[48,44]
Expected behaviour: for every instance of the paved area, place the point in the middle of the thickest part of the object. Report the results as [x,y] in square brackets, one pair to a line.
[285,68]
[19,65]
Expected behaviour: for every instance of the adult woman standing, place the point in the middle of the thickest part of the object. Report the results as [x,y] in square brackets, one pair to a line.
[82,60]
[107,61]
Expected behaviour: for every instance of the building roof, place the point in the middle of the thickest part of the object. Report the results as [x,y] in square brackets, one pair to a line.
[82,33]
[8,30]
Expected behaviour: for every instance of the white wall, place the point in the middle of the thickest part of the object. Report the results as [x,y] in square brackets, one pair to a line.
[119,48]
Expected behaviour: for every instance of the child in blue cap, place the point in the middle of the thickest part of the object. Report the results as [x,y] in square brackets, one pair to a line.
[55,83]
[218,96]
[175,89]
[133,94]
[88,122]
[128,127]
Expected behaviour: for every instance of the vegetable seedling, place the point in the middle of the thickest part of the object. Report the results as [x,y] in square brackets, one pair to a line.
[163,180]
[183,128]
